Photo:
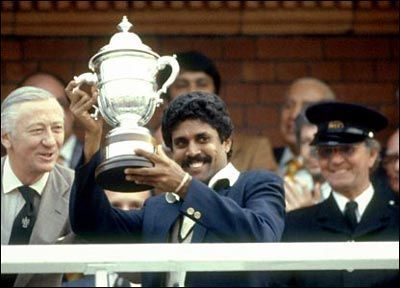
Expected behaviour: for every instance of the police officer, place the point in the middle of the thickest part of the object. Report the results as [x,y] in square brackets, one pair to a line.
[347,152]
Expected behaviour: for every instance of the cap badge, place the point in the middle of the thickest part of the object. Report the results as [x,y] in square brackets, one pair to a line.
[335,124]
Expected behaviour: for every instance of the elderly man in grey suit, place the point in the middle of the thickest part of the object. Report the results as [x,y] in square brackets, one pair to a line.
[34,189]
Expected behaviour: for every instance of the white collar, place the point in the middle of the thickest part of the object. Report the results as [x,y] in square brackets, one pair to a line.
[362,200]
[11,182]
[229,172]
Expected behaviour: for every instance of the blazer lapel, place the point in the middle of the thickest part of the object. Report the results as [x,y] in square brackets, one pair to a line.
[165,221]
[375,216]
[2,192]
[53,210]
[199,232]
[330,217]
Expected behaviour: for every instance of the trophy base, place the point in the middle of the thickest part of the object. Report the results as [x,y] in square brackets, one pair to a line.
[110,173]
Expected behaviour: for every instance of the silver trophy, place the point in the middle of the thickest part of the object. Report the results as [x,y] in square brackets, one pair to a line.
[125,72]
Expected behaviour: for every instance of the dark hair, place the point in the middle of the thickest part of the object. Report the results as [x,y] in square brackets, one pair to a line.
[203,106]
[193,61]
[196,61]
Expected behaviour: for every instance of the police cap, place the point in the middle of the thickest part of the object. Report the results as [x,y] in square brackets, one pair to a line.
[344,123]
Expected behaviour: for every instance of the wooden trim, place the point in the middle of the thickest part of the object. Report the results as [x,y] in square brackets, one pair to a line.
[74,18]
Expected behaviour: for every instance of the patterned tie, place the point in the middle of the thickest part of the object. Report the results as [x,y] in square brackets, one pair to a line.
[350,214]
[23,223]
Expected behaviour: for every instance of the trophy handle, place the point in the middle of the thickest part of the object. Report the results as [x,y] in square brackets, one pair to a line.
[162,62]
[90,79]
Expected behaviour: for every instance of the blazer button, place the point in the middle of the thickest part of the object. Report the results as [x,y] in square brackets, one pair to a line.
[197,215]
[190,211]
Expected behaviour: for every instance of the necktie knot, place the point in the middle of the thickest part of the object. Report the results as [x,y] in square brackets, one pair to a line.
[28,194]
[350,214]
[351,205]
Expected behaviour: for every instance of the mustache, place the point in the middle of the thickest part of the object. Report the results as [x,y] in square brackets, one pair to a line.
[198,158]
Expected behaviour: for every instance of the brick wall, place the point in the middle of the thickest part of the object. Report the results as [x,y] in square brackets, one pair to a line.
[256,70]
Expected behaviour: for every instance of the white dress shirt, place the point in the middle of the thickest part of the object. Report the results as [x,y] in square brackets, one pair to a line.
[362,201]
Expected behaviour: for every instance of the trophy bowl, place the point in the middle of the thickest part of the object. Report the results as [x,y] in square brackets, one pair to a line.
[125,72]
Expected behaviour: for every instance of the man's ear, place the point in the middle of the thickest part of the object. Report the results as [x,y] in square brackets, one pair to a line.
[374,155]
[228,144]
[5,140]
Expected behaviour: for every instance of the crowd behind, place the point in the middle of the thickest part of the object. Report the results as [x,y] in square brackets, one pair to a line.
[332,181]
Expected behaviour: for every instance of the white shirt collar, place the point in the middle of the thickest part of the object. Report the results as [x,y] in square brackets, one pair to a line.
[229,172]
[11,182]
[362,200]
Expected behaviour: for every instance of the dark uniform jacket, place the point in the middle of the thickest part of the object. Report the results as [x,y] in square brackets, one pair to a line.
[324,222]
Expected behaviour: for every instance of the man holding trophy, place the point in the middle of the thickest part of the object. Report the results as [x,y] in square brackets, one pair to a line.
[206,199]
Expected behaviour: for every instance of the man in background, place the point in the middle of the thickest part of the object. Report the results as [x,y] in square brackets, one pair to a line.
[391,164]
[301,93]
[306,186]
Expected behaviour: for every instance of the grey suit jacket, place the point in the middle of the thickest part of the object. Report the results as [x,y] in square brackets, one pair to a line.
[52,222]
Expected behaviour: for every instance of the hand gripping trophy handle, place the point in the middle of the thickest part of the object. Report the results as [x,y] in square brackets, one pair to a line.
[90,79]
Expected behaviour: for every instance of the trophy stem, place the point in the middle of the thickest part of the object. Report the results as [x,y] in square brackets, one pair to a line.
[119,153]
[110,173]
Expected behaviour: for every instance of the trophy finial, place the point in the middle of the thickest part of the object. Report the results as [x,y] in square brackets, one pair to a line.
[125,25]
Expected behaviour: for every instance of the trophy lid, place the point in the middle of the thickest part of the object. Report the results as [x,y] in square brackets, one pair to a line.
[124,40]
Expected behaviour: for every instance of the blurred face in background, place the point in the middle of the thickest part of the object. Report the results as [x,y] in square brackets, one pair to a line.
[189,81]
[127,201]
[300,95]
[391,161]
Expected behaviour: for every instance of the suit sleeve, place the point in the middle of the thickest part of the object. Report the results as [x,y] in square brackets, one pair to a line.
[91,214]
[259,217]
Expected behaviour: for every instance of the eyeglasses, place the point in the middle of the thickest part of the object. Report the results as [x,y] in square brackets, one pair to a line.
[390,159]
[326,152]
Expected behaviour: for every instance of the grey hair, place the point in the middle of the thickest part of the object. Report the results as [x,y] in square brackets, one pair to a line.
[328,93]
[9,107]
[373,144]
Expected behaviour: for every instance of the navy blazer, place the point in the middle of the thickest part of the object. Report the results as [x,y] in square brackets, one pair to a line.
[252,210]
[324,222]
